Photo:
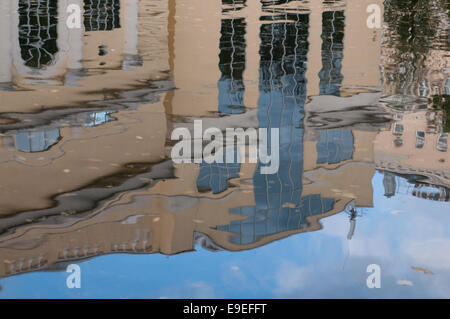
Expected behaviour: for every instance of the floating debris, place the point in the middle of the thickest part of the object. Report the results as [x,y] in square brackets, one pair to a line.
[425,271]
[404,283]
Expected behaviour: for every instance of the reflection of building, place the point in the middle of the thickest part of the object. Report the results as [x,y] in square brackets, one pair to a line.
[348,173]
[334,146]
[415,48]
[41,138]
[41,48]
[37,141]
[101,15]
[215,176]
[279,204]
[38,42]
[415,144]
[332,52]
[411,184]
[65,131]
[389,183]
[71,157]
[167,216]
[335,54]
[231,64]
[38,47]
[235,206]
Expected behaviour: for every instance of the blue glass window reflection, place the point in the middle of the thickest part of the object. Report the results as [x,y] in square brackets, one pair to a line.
[215,176]
[334,146]
[332,52]
[98,118]
[37,141]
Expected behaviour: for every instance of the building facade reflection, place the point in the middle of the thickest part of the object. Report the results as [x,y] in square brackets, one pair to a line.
[280,206]
[232,46]
[137,201]
[41,49]
[38,32]
[101,15]
[333,23]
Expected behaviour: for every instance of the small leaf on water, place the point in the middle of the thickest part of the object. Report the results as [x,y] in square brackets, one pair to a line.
[425,271]
[404,283]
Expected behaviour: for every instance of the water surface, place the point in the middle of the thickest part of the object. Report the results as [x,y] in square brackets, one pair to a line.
[87,178]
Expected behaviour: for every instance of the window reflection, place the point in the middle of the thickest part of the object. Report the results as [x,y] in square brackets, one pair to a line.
[101,15]
[332,52]
[390,184]
[398,129]
[408,184]
[232,65]
[420,139]
[37,141]
[38,32]
[215,176]
[334,146]
[442,142]
[98,118]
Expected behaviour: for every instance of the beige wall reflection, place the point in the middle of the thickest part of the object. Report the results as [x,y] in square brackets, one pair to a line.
[166,216]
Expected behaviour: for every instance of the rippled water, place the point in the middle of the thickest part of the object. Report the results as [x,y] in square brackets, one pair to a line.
[87,178]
